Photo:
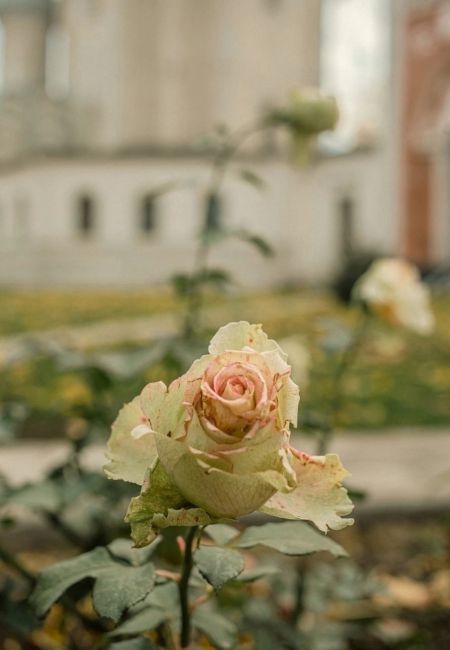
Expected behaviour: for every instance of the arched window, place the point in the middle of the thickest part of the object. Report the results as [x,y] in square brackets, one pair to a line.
[85,216]
[147,215]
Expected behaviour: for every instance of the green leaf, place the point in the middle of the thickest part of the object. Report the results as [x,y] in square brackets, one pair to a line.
[134,644]
[258,573]
[219,630]
[215,277]
[143,621]
[159,606]
[218,565]
[291,538]
[253,179]
[185,284]
[165,597]
[54,581]
[123,549]
[38,496]
[118,586]
[221,533]
[182,284]
[255,240]
[17,616]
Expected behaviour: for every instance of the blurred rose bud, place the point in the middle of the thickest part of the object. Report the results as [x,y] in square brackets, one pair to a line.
[308,113]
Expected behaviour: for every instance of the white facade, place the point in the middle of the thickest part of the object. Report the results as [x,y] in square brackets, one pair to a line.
[145,79]
[41,241]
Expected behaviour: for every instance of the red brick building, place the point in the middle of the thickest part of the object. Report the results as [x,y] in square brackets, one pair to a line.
[425,132]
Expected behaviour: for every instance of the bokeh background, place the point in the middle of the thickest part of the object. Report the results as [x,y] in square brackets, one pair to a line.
[111,112]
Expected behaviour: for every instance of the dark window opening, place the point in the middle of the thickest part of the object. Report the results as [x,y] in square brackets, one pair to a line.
[347,215]
[214,212]
[86,216]
[148,215]
[21,218]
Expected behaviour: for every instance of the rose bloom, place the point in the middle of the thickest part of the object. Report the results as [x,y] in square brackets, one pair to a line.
[393,290]
[215,443]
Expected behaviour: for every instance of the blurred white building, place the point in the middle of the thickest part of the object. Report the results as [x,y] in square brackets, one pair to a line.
[103,102]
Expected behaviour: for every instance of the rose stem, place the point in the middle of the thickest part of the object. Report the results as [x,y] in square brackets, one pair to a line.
[183,588]
[218,172]
[346,363]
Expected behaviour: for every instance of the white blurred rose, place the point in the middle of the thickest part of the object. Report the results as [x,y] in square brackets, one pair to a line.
[393,290]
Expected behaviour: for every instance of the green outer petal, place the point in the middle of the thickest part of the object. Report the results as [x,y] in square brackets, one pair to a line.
[145,532]
[183,517]
[240,335]
[319,496]
[220,493]
[129,458]
[158,495]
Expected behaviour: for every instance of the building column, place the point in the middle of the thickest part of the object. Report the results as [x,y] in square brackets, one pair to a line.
[25,26]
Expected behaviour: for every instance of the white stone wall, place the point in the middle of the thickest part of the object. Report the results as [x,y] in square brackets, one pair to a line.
[166,71]
[157,74]
[24,51]
[297,213]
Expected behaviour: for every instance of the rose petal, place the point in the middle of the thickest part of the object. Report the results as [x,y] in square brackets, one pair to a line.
[128,456]
[319,496]
[163,405]
[240,335]
[221,494]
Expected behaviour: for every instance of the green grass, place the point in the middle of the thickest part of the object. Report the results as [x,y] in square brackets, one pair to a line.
[27,311]
[397,379]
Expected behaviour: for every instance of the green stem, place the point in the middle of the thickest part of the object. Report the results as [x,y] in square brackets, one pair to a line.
[299,595]
[345,363]
[218,172]
[183,588]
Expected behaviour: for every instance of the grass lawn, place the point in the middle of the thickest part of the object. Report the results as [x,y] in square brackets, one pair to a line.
[397,379]
[25,311]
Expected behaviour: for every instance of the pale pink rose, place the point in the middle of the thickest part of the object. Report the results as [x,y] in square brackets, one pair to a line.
[215,443]
[236,397]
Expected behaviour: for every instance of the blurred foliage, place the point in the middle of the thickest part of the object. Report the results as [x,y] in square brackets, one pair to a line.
[28,310]
[398,379]
[394,594]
